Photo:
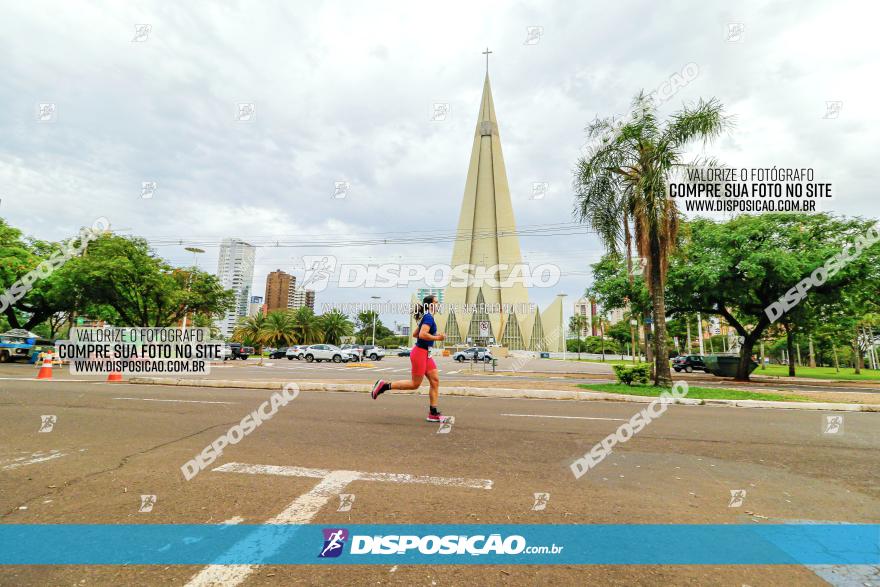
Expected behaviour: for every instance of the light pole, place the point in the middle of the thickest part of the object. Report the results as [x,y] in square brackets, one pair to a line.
[374,319]
[561,322]
[195,251]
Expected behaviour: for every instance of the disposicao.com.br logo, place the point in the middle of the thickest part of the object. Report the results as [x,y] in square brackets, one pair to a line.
[453,544]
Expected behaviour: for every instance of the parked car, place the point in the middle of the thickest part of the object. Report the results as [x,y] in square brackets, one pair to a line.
[355,349]
[403,352]
[688,363]
[234,350]
[372,352]
[278,353]
[329,352]
[296,352]
[477,353]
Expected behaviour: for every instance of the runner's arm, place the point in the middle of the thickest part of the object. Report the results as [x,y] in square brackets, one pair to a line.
[425,333]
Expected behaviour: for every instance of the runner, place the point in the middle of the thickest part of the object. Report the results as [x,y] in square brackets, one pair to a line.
[422,364]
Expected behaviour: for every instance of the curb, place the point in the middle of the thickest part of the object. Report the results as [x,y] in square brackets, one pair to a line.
[510,393]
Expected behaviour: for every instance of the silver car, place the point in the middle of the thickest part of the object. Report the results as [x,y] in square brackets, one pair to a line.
[328,352]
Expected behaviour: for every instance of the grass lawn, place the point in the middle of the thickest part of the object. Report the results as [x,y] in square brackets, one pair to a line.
[693,392]
[819,373]
[608,361]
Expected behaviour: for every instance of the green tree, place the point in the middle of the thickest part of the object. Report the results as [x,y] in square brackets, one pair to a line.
[335,325]
[306,326]
[279,329]
[576,324]
[365,327]
[120,280]
[625,178]
[250,330]
[736,269]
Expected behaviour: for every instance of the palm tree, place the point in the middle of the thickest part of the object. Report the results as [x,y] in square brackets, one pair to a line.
[577,323]
[279,329]
[335,325]
[624,179]
[306,326]
[250,329]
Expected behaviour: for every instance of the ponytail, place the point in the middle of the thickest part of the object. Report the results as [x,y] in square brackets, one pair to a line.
[419,310]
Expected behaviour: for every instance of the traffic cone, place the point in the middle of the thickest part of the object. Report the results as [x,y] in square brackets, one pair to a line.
[45,368]
[114,376]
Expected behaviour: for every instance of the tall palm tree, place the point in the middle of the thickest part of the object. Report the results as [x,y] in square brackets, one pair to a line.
[250,329]
[626,175]
[306,326]
[335,325]
[279,329]
[577,323]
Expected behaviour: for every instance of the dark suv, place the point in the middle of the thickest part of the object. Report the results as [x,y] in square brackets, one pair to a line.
[688,363]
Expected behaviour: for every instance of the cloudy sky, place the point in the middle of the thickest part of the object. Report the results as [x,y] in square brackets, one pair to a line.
[344,92]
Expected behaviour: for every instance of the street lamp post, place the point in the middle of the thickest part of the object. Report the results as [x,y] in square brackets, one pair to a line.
[374,320]
[195,251]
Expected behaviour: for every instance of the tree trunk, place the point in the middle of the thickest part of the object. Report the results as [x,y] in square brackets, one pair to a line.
[646,329]
[662,373]
[627,237]
[812,353]
[836,361]
[789,343]
[687,322]
[745,358]
[763,362]
[857,353]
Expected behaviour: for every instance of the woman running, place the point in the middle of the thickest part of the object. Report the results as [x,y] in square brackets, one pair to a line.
[422,364]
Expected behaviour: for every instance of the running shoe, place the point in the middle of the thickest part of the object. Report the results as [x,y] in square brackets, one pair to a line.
[378,388]
[438,417]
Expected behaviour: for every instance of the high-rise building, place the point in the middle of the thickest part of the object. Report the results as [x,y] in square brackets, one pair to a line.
[582,308]
[280,287]
[424,292]
[256,306]
[303,298]
[235,270]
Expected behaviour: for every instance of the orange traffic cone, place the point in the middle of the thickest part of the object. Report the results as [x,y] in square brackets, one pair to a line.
[114,376]
[45,368]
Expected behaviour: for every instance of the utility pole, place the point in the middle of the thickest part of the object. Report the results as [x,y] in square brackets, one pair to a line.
[374,320]
[195,251]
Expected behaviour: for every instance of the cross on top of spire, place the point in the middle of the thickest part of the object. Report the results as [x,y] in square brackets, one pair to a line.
[486,53]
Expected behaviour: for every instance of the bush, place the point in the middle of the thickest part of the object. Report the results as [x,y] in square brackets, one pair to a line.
[630,374]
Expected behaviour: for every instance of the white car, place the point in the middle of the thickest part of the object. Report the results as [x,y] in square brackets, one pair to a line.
[372,352]
[328,352]
[355,350]
[474,354]
[295,352]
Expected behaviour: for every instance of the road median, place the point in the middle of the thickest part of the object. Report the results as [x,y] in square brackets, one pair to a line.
[553,394]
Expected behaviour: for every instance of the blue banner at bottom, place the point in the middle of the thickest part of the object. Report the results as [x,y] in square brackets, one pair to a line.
[413,544]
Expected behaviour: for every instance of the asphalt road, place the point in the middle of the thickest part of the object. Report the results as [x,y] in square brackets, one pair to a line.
[110,444]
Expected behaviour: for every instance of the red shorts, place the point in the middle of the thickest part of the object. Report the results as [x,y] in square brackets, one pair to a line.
[421,362]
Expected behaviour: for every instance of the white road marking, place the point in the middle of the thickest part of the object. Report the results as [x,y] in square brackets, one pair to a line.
[179,401]
[37,457]
[563,417]
[306,506]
